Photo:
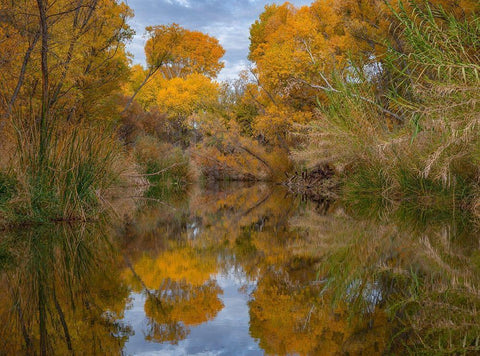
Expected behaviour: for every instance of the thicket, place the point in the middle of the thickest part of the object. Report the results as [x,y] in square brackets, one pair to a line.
[390,101]
[62,65]
[428,151]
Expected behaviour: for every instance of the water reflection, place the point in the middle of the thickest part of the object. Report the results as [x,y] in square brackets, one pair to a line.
[241,269]
[61,293]
[244,232]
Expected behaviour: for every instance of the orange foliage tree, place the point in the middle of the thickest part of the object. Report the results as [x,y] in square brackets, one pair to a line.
[299,53]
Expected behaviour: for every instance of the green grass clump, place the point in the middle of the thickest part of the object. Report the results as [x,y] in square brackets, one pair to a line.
[59,175]
[368,191]
[8,187]
[374,191]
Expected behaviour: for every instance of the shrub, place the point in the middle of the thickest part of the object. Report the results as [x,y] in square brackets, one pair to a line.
[165,166]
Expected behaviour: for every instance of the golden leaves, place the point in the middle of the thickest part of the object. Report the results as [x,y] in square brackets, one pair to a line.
[182,51]
[184,96]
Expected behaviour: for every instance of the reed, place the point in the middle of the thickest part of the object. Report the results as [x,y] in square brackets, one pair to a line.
[58,175]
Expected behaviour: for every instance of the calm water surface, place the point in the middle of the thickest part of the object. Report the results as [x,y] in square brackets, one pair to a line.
[242,270]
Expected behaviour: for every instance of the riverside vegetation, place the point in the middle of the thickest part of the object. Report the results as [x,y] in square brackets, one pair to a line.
[384,93]
[370,108]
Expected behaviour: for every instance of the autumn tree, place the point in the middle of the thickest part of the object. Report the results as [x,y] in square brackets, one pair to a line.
[177,52]
[83,55]
[63,63]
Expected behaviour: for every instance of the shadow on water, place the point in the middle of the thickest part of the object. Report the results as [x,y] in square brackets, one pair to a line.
[244,269]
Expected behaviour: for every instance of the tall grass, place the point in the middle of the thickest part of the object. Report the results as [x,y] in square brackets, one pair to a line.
[60,174]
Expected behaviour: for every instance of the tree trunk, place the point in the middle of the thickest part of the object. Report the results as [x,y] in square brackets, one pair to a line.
[21,77]
[130,101]
[42,9]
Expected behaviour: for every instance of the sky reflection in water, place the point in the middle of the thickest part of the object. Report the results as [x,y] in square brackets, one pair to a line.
[226,334]
[238,270]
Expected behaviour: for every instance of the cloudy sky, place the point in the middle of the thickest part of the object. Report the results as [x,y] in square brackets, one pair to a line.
[227,20]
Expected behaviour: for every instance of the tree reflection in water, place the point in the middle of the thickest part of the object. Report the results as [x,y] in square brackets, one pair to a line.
[61,292]
[329,280]
[247,229]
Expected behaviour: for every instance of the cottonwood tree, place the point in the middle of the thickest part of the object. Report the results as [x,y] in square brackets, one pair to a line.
[61,55]
[176,52]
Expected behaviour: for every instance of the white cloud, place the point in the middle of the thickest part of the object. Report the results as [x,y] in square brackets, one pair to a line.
[184,3]
[231,70]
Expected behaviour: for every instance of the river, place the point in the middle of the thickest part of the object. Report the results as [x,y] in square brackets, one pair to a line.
[243,269]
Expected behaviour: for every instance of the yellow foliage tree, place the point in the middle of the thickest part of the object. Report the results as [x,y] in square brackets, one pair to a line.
[177,52]
[182,97]
[85,48]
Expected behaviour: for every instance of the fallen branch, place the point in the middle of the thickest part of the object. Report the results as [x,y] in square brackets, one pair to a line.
[156,173]
[257,157]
